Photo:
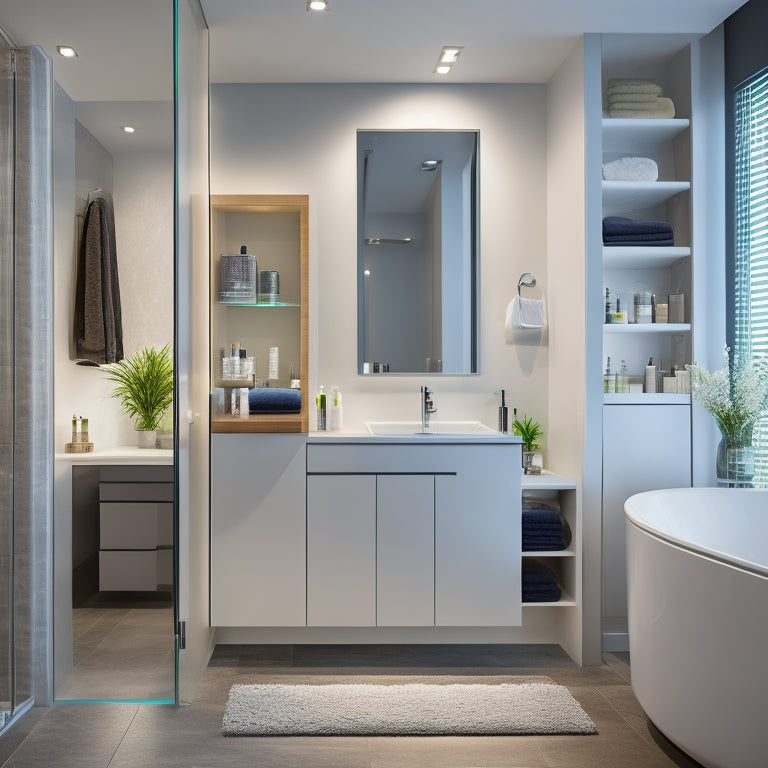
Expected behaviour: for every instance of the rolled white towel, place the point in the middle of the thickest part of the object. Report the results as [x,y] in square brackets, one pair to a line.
[631,169]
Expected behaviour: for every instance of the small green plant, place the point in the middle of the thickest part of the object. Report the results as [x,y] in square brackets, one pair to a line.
[144,385]
[530,431]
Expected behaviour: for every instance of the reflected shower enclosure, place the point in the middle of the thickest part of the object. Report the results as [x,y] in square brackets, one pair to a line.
[417,251]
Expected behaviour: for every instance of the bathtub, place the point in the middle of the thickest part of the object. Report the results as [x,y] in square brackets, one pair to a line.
[697,585]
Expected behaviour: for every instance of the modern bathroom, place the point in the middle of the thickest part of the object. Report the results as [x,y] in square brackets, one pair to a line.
[370,382]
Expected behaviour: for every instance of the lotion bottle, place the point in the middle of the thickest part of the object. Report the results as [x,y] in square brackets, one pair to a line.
[334,417]
[650,378]
[321,409]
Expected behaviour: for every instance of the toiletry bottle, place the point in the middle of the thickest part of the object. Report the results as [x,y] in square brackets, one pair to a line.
[609,379]
[618,316]
[650,378]
[234,403]
[245,408]
[622,379]
[334,417]
[321,409]
[273,357]
[503,413]
[607,305]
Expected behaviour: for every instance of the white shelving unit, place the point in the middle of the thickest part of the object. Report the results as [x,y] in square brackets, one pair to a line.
[565,563]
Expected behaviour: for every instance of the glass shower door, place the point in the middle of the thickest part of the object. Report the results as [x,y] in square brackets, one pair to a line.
[6,382]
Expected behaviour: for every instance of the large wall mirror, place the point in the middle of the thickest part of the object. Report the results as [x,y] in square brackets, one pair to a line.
[417,230]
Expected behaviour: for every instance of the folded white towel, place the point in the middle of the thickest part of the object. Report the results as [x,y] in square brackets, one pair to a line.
[663,108]
[635,98]
[631,169]
[633,85]
[525,314]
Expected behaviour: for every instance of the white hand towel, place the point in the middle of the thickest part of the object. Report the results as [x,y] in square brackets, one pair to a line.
[631,169]
[524,314]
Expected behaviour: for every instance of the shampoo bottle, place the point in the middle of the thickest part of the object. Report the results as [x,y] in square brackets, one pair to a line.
[650,377]
[609,379]
[334,417]
[321,409]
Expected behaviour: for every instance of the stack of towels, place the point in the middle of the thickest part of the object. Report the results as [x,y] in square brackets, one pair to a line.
[539,583]
[544,529]
[274,400]
[637,98]
[618,230]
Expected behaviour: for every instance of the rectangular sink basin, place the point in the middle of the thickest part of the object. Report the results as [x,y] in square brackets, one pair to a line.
[435,428]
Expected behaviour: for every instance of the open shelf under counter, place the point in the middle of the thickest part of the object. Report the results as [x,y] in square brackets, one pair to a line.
[626,134]
[647,327]
[547,481]
[640,194]
[643,257]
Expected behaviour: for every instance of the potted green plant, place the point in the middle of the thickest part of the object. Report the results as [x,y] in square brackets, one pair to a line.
[531,433]
[145,389]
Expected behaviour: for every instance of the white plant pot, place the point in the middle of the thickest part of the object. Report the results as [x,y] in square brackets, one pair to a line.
[146,438]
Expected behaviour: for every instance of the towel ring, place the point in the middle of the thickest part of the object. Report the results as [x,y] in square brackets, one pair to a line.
[527,279]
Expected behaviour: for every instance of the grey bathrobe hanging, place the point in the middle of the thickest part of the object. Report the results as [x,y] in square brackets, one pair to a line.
[98,321]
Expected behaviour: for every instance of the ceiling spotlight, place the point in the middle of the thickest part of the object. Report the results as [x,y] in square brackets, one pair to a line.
[448,57]
[67,51]
[317,5]
[430,165]
[128,128]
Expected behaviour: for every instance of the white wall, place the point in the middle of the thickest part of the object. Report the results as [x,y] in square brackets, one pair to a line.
[302,139]
[142,190]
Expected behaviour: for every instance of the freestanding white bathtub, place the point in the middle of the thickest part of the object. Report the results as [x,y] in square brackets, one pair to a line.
[697,583]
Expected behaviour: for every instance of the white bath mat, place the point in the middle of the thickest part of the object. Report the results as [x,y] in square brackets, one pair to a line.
[403,710]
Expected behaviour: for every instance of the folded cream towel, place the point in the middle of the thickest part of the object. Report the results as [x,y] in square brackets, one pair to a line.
[524,314]
[635,98]
[663,108]
[633,85]
[631,169]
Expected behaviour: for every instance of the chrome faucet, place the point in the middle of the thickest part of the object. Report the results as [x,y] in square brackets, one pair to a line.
[427,407]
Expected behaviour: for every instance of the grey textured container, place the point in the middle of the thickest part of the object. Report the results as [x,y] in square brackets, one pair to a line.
[238,277]
[269,285]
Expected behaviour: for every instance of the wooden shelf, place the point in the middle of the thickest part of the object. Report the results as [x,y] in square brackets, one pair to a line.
[262,422]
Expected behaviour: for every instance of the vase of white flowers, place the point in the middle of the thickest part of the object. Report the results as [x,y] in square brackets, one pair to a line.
[736,395]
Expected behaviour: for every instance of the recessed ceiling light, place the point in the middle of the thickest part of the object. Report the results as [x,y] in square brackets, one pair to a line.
[430,165]
[67,51]
[448,57]
[317,5]
[128,128]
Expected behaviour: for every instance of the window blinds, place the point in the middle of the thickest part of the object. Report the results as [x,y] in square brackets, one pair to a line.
[751,246]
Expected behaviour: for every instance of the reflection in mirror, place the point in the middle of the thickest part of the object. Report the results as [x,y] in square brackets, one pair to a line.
[417,251]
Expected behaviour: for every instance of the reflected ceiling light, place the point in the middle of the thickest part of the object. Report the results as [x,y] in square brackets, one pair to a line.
[67,51]
[317,5]
[128,128]
[448,57]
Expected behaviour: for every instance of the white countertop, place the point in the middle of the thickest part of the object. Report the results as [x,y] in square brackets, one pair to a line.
[122,454]
[428,439]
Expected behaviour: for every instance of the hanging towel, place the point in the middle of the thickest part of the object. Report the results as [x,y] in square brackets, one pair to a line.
[98,316]
[525,314]
[631,169]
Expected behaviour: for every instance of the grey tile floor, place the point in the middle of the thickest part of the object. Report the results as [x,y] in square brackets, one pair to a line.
[124,735]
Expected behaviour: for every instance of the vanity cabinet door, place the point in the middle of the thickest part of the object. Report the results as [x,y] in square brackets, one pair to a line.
[405,545]
[258,533]
[341,550]
[477,540]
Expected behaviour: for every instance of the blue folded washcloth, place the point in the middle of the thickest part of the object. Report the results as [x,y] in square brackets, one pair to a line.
[274,400]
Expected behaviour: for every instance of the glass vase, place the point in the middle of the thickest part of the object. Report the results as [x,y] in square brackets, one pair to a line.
[735,463]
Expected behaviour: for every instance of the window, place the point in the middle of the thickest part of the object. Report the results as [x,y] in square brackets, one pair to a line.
[751,238]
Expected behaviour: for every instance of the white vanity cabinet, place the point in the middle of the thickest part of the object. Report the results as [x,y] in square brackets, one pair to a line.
[258,530]
[404,534]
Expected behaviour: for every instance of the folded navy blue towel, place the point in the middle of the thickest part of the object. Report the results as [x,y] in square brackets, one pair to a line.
[543,528]
[274,400]
[663,243]
[622,226]
[539,584]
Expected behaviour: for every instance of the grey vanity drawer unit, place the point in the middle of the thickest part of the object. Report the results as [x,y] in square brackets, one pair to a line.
[135,527]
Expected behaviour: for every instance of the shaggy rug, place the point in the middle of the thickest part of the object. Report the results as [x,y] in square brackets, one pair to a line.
[403,710]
